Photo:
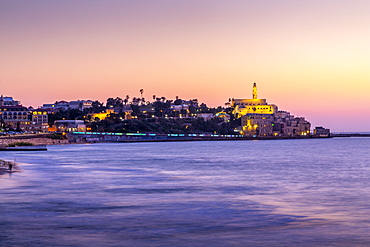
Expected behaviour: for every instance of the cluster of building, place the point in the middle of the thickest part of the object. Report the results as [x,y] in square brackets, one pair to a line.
[65,105]
[14,116]
[257,117]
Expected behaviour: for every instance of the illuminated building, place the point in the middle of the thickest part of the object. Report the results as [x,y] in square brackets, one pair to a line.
[289,125]
[13,115]
[223,115]
[243,107]
[257,124]
[205,116]
[258,118]
[69,125]
[124,111]
[39,116]
[100,116]
[39,120]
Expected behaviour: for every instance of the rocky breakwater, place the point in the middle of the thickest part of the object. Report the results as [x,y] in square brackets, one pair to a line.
[34,141]
[41,139]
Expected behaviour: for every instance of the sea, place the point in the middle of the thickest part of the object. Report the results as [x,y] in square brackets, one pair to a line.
[307,192]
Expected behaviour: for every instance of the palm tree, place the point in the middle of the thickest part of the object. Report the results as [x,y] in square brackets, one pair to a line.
[141,92]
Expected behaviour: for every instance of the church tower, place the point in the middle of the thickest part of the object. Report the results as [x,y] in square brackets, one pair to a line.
[254,90]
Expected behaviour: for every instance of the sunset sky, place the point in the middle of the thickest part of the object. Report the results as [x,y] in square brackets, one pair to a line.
[311,58]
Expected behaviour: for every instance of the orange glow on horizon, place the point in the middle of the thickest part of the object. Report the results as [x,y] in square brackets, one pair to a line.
[308,58]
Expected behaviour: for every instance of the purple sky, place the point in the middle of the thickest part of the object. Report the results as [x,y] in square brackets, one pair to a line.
[311,58]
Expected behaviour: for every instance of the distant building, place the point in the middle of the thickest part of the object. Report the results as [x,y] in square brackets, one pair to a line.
[252,106]
[180,110]
[80,104]
[290,125]
[13,116]
[205,116]
[100,116]
[8,101]
[39,116]
[39,120]
[258,118]
[124,112]
[179,107]
[145,109]
[65,105]
[254,124]
[321,131]
[69,125]
[223,115]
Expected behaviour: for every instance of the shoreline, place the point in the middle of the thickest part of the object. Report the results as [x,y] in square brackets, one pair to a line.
[108,137]
[73,138]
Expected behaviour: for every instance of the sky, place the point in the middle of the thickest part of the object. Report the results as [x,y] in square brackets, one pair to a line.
[311,58]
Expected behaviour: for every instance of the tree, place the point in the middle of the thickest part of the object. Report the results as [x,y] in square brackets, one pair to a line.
[110,102]
[141,92]
[117,102]
[135,110]
[203,108]
[96,107]
[70,114]
[134,100]
[178,101]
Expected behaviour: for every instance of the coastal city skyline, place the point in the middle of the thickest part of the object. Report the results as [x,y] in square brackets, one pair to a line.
[309,58]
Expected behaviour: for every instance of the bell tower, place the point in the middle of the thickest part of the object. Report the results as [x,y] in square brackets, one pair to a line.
[254,90]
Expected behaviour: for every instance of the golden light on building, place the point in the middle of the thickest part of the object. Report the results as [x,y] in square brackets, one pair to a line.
[102,115]
[254,93]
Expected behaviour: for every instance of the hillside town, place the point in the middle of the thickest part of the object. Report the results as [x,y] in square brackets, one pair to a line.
[247,117]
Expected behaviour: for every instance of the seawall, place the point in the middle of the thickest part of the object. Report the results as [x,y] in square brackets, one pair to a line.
[94,137]
[34,141]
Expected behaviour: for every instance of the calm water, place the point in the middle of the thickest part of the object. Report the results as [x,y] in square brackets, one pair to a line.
[227,193]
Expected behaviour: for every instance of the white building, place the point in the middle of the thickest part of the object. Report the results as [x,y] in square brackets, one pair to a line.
[80,104]
[8,101]
[65,105]
[205,116]
[70,125]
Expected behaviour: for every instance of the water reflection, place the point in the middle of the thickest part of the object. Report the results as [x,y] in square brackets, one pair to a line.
[190,194]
